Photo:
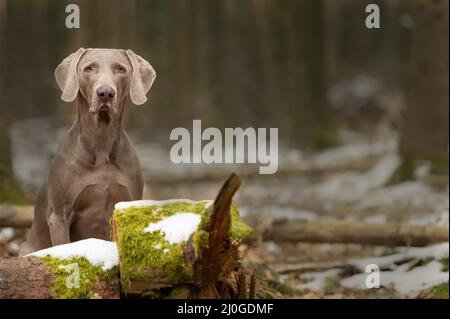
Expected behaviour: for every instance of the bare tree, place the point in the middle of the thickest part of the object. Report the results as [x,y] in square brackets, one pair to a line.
[9,190]
[424,133]
[5,162]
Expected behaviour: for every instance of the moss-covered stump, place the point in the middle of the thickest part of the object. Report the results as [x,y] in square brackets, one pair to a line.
[165,247]
[49,277]
[149,260]
[92,282]
[82,270]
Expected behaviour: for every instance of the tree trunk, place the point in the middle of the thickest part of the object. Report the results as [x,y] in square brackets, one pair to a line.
[9,188]
[424,133]
[5,162]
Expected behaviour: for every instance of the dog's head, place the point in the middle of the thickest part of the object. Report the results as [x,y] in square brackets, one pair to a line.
[104,77]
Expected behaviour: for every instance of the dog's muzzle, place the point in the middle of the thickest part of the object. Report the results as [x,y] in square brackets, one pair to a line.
[104,100]
[105,93]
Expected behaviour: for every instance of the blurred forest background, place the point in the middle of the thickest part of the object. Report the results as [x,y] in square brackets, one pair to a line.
[360,111]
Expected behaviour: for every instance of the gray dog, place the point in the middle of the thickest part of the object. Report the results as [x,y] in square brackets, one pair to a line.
[95,165]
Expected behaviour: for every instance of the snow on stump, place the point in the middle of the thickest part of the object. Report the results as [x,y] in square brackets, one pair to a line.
[79,270]
[181,248]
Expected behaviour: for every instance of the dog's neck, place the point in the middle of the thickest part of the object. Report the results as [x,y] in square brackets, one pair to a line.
[98,136]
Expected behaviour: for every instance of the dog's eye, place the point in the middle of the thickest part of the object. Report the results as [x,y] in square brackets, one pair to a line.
[89,69]
[121,69]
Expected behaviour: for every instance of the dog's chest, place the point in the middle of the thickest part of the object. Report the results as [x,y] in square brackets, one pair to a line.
[107,181]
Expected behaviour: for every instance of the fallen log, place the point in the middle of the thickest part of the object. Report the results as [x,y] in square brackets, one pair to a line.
[309,266]
[19,216]
[339,231]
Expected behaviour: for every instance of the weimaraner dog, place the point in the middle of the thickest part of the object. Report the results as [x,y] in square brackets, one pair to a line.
[95,165]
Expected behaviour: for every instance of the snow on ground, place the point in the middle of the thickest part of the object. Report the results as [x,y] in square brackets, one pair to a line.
[6,234]
[405,278]
[437,251]
[352,186]
[96,251]
[338,156]
[176,228]
[439,219]
[404,281]
[411,193]
[375,219]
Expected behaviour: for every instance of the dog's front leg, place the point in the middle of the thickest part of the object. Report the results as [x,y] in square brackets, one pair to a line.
[59,225]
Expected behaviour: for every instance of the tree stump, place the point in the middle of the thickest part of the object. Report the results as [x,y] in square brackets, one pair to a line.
[203,266]
[36,278]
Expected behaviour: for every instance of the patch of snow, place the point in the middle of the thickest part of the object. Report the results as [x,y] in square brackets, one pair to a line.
[14,246]
[150,202]
[437,251]
[176,228]
[348,153]
[6,234]
[404,281]
[352,186]
[355,92]
[417,196]
[376,219]
[96,251]
[423,169]
[327,247]
[439,217]
[273,248]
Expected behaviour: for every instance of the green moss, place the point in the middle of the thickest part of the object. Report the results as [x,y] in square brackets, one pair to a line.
[143,255]
[324,138]
[440,291]
[239,229]
[331,283]
[444,262]
[89,275]
[407,170]
[10,192]
[179,293]
[440,165]
[200,239]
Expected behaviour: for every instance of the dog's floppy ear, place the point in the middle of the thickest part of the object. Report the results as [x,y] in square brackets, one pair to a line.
[67,76]
[141,79]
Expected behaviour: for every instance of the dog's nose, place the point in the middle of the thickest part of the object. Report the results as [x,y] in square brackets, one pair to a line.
[105,93]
